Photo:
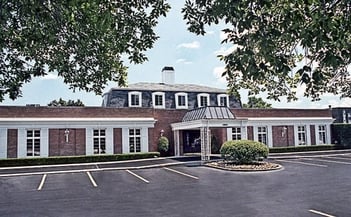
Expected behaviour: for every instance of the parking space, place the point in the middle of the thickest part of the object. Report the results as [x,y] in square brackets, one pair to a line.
[313,186]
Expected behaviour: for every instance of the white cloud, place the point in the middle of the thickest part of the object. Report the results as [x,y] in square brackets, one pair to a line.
[225,51]
[49,76]
[217,72]
[223,35]
[191,45]
[183,61]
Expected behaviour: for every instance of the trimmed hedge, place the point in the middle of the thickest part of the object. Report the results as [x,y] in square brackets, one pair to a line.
[303,148]
[243,151]
[75,159]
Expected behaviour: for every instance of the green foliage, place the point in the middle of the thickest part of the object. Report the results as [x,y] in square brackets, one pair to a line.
[281,45]
[75,159]
[163,144]
[243,151]
[342,134]
[302,148]
[81,41]
[62,102]
[256,103]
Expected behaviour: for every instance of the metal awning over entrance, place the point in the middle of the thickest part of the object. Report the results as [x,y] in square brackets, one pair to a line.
[204,118]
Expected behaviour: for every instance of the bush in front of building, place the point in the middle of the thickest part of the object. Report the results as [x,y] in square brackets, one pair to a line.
[243,151]
[163,145]
[75,159]
[303,148]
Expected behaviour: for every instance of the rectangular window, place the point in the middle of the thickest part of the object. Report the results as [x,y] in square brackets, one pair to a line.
[181,100]
[301,135]
[322,134]
[135,101]
[99,140]
[262,135]
[158,100]
[134,140]
[203,101]
[223,101]
[236,133]
[33,142]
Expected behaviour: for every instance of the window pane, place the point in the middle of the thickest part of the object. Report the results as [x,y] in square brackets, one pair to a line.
[96,132]
[137,132]
[29,133]
[102,132]
[37,133]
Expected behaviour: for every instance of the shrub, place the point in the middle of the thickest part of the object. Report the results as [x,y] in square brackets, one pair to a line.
[303,148]
[243,151]
[75,159]
[163,144]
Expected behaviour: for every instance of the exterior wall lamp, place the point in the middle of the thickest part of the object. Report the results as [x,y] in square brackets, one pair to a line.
[66,135]
[284,129]
[161,132]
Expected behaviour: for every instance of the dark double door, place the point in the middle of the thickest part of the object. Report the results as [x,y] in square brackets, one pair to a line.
[191,141]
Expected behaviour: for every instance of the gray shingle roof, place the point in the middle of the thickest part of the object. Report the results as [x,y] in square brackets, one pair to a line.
[171,87]
[211,112]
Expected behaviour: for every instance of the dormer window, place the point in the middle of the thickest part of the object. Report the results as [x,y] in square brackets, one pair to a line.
[203,99]
[134,99]
[223,100]
[181,100]
[158,99]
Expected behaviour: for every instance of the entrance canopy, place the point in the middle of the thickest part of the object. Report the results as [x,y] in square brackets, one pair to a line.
[212,116]
[205,118]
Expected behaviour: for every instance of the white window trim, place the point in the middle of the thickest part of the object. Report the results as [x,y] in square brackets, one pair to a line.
[308,134]
[144,138]
[269,134]
[219,96]
[89,143]
[203,95]
[22,142]
[154,100]
[130,98]
[186,100]
[3,143]
[327,133]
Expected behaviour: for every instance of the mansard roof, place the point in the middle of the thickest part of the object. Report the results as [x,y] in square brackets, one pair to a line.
[210,112]
[171,87]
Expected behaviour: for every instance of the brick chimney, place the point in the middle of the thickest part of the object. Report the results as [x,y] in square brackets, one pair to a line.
[168,75]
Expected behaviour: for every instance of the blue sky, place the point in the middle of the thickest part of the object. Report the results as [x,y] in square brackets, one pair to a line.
[193,57]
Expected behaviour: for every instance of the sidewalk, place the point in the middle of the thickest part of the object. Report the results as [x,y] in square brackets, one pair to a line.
[290,155]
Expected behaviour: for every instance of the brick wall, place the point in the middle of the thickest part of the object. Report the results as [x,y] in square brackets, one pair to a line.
[283,136]
[117,140]
[12,143]
[313,135]
[59,147]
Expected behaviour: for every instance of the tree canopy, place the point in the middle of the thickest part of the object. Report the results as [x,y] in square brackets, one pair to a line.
[62,102]
[81,41]
[256,102]
[281,45]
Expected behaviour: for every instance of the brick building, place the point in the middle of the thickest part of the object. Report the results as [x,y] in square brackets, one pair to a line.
[132,119]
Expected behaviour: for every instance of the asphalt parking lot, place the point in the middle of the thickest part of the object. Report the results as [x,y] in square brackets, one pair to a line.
[308,186]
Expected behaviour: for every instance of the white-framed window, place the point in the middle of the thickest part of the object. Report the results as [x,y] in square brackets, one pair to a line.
[262,135]
[99,141]
[33,142]
[134,99]
[181,100]
[158,100]
[322,134]
[223,100]
[301,135]
[236,133]
[203,99]
[134,140]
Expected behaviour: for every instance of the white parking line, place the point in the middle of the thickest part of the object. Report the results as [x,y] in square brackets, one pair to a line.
[136,175]
[329,161]
[320,213]
[91,179]
[42,182]
[304,163]
[181,173]
[338,158]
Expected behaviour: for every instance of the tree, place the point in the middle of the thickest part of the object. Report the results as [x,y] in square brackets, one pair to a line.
[81,41]
[281,45]
[254,102]
[62,102]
